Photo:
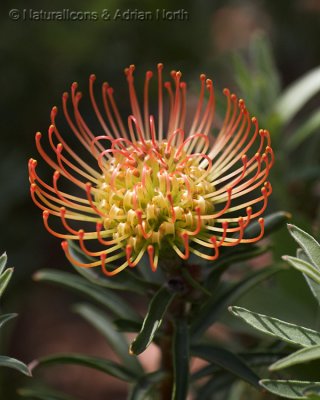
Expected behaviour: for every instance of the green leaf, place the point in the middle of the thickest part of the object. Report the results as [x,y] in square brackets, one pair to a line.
[181,359]
[312,392]
[127,325]
[262,55]
[204,371]
[251,359]
[43,394]
[302,266]
[312,396]
[157,308]
[102,296]
[297,95]
[314,286]
[15,364]
[226,360]
[3,262]
[126,281]
[257,77]
[272,222]
[307,242]
[6,317]
[104,325]
[219,382]
[5,279]
[300,356]
[224,262]
[145,384]
[288,389]
[214,306]
[100,364]
[290,333]
[309,127]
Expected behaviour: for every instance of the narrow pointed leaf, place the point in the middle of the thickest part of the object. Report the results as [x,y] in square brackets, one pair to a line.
[212,308]
[307,242]
[126,281]
[145,385]
[127,325]
[251,359]
[314,286]
[123,281]
[181,359]
[309,127]
[226,360]
[15,364]
[6,317]
[290,333]
[152,322]
[204,371]
[102,296]
[3,262]
[5,279]
[100,364]
[288,389]
[214,385]
[104,325]
[272,222]
[222,264]
[297,95]
[43,394]
[300,356]
[309,269]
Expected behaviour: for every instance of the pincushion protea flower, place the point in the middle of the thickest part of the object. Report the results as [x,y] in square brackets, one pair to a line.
[153,185]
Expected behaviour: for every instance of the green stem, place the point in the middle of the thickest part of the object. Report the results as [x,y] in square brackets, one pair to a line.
[167,363]
[177,310]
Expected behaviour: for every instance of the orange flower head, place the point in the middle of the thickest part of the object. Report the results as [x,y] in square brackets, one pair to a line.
[148,185]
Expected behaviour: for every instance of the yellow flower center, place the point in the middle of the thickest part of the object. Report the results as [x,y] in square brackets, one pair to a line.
[147,195]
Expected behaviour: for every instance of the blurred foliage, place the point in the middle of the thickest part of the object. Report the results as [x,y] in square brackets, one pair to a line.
[222,38]
[307,262]
[5,277]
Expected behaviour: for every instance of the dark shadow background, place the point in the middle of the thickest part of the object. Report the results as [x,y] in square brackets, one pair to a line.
[39,61]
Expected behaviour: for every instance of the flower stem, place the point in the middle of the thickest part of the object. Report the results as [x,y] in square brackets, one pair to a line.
[167,362]
[177,310]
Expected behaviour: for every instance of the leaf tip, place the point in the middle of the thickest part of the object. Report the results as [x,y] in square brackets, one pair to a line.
[272,367]
[232,310]
[131,352]
[36,276]
[32,365]
[261,384]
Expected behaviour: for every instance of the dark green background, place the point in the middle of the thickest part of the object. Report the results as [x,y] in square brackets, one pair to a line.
[39,60]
